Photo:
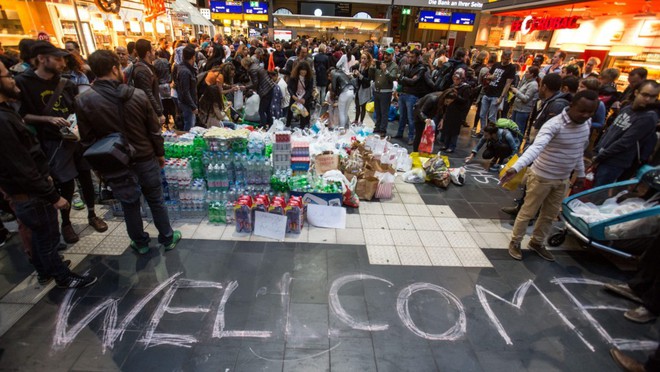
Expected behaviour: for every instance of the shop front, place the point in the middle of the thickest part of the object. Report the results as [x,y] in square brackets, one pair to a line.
[623,34]
[347,20]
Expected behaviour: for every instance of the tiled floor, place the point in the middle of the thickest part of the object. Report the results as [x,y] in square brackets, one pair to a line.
[409,285]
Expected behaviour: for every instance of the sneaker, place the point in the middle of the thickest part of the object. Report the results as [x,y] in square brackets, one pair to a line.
[77,203]
[449,151]
[140,249]
[494,168]
[623,290]
[513,211]
[514,251]
[69,235]
[541,250]
[176,238]
[640,315]
[477,135]
[625,362]
[98,224]
[44,279]
[74,281]
[410,142]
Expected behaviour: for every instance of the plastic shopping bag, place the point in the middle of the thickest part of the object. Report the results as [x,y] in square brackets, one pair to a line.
[428,138]
[515,182]
[238,99]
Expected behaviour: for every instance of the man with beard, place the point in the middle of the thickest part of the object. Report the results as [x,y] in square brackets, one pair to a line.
[46,103]
[112,107]
[631,137]
[556,152]
[24,178]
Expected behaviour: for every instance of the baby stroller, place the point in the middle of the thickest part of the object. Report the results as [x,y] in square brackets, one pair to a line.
[620,218]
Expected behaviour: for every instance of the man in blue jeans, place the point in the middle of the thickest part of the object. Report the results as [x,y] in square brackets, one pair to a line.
[112,107]
[498,80]
[25,178]
[413,81]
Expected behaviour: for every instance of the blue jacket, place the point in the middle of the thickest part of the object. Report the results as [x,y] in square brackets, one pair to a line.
[503,136]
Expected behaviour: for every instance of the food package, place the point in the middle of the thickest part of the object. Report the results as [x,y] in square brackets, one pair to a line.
[457,176]
[366,187]
[436,172]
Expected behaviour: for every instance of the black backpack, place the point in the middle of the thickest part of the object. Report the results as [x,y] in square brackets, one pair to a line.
[444,80]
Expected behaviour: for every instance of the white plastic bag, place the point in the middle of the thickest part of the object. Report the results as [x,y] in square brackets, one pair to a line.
[457,176]
[238,99]
[416,175]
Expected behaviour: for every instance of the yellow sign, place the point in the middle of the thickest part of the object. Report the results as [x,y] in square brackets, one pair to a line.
[223,16]
[256,17]
[433,26]
[466,28]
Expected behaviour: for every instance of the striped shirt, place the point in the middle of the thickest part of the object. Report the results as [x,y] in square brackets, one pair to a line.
[557,149]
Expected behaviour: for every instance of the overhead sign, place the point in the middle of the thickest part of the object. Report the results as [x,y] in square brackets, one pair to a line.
[448,4]
[235,7]
[462,19]
[255,11]
[529,24]
[430,16]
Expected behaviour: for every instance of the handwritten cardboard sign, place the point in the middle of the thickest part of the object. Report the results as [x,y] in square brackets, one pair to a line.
[269,225]
[326,216]
[326,162]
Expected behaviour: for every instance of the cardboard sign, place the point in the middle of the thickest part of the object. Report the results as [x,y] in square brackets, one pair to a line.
[325,216]
[326,162]
[269,225]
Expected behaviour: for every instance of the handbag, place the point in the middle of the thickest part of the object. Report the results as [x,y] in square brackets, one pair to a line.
[113,152]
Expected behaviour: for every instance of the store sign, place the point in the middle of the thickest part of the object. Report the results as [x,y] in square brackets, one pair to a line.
[529,24]
[153,8]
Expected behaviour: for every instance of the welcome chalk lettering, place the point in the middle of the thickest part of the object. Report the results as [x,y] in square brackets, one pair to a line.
[113,329]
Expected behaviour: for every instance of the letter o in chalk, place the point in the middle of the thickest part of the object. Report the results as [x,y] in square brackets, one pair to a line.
[453,333]
[525,27]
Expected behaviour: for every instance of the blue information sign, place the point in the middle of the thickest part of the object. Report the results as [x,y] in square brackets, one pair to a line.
[432,16]
[235,7]
[462,19]
[255,7]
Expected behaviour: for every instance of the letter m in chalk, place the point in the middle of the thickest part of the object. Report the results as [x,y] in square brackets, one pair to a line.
[517,301]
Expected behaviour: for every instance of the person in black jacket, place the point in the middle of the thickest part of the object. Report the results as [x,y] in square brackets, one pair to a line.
[413,80]
[25,179]
[630,138]
[321,66]
[215,59]
[143,76]
[263,84]
[186,87]
[450,127]
[300,89]
[431,107]
[279,57]
[112,107]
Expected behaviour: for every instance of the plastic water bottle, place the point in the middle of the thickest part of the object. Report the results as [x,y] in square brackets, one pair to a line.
[240,172]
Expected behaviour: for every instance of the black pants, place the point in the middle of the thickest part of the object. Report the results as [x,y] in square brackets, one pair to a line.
[360,110]
[382,101]
[646,283]
[169,109]
[66,190]
[304,121]
[87,190]
[265,114]
[498,152]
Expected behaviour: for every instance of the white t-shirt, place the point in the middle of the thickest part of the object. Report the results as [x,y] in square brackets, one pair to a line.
[285,92]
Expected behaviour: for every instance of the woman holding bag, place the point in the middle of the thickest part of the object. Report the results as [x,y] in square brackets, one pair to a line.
[431,107]
[363,73]
[300,87]
[456,112]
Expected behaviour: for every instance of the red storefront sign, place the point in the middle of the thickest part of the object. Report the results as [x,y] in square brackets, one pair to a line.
[530,23]
[153,8]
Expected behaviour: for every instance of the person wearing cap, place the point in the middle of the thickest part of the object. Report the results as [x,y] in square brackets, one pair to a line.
[47,116]
[26,181]
[386,73]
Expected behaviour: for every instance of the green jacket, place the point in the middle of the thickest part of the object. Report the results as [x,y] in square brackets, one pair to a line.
[385,80]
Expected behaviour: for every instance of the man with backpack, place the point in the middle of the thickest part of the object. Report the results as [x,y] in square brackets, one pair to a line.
[143,76]
[111,107]
[501,143]
[446,71]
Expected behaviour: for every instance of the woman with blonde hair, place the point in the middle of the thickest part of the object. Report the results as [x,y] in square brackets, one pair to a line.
[363,74]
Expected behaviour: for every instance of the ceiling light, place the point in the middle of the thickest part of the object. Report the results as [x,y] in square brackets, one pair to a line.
[536,45]
[625,50]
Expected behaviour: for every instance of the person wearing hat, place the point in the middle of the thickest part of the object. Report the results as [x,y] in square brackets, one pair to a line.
[385,75]
[47,101]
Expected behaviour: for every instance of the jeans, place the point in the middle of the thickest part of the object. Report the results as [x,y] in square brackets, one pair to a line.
[406,104]
[142,178]
[187,115]
[345,98]
[382,108]
[541,193]
[606,174]
[520,118]
[323,90]
[488,111]
[265,115]
[41,218]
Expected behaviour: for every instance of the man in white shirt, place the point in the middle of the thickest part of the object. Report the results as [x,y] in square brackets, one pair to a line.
[556,152]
